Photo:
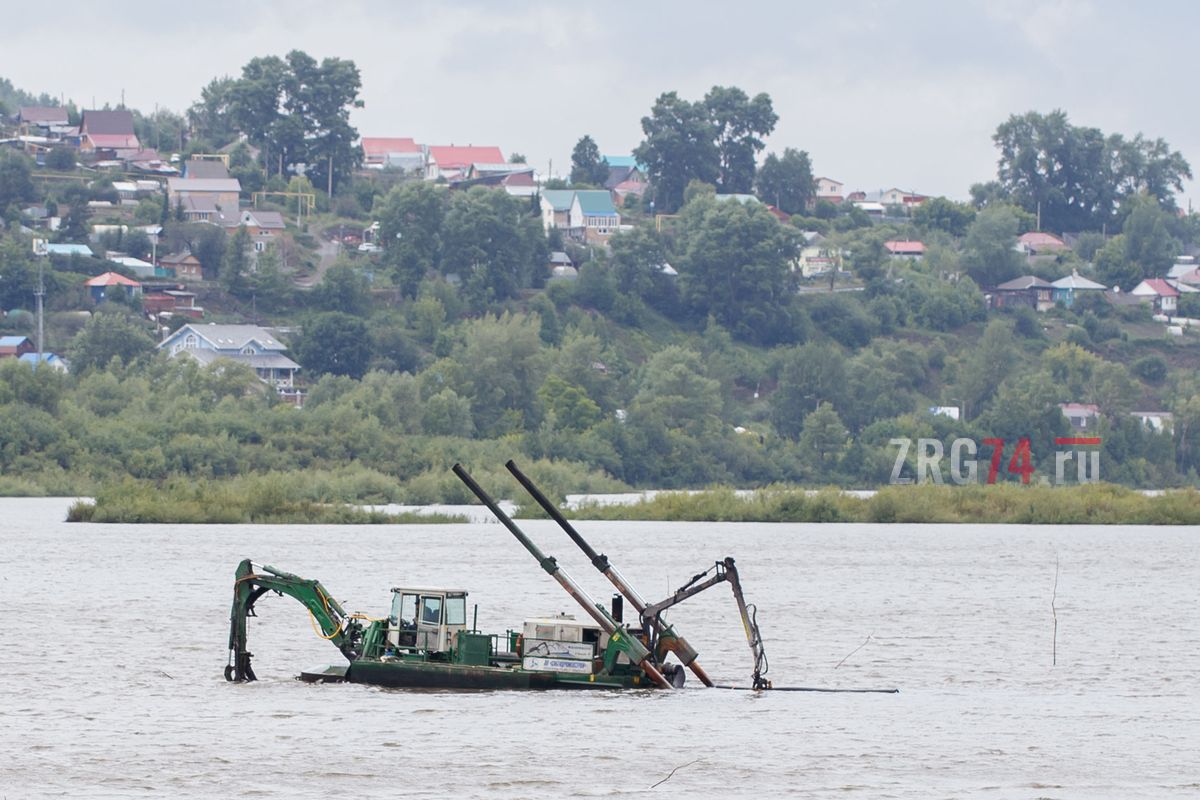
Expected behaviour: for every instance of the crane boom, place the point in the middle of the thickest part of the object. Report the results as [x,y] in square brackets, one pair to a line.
[250,584]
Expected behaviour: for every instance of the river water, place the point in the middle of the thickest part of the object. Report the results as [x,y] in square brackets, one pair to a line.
[115,640]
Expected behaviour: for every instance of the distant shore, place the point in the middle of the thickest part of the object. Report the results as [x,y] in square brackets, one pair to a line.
[1093,504]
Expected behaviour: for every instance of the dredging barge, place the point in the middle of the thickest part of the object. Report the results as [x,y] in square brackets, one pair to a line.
[425,641]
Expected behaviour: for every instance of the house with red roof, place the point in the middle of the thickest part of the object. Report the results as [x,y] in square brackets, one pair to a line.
[108,132]
[1037,243]
[913,251]
[1156,290]
[103,287]
[378,150]
[451,161]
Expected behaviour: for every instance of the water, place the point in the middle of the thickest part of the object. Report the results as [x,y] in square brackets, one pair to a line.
[115,639]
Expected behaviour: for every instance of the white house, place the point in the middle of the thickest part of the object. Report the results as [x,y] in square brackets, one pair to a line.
[245,344]
[829,189]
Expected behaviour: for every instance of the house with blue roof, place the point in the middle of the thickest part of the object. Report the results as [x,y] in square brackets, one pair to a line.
[556,207]
[69,250]
[49,359]
[593,217]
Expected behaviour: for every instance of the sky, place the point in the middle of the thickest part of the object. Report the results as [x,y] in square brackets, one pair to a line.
[880,94]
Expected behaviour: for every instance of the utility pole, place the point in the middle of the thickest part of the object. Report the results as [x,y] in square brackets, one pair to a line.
[41,294]
[329,191]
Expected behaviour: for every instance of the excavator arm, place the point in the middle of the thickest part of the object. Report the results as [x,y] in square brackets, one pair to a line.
[723,571]
[251,583]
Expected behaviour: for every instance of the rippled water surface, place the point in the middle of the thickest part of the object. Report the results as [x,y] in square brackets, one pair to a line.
[115,638]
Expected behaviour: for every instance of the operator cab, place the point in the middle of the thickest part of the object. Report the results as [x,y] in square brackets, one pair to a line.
[426,619]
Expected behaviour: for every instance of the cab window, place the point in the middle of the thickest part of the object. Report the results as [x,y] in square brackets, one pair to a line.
[456,611]
[431,610]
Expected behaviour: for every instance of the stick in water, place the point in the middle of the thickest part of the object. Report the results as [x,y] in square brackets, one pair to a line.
[855,650]
[672,772]
[1054,613]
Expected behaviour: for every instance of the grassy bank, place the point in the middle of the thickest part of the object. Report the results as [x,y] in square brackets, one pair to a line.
[1094,504]
[255,499]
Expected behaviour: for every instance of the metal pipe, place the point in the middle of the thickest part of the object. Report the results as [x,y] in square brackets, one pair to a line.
[548,563]
[600,562]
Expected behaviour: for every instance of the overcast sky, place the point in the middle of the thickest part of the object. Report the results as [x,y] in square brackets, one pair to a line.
[880,94]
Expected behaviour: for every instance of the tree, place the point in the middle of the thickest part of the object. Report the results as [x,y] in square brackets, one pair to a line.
[786,181]
[334,343]
[587,165]
[824,437]
[61,158]
[714,140]
[411,217]
[1148,244]
[735,267]
[1114,268]
[986,366]
[16,179]
[108,335]
[344,289]
[988,253]
[637,260]
[809,376]
[679,147]
[298,111]
[492,244]
[235,266]
[739,122]
[940,214]
[1076,178]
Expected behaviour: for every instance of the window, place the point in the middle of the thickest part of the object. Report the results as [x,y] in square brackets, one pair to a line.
[190,342]
[260,246]
[248,350]
[404,609]
[456,611]
[431,610]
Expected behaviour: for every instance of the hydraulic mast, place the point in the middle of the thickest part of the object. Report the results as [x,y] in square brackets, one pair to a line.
[633,648]
[669,640]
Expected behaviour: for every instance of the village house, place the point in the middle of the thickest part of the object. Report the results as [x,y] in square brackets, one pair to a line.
[1027,290]
[106,286]
[624,181]
[1156,421]
[899,197]
[16,346]
[1037,243]
[1066,289]
[41,120]
[251,345]
[51,360]
[911,251]
[1163,295]
[452,162]
[829,189]
[207,194]
[185,266]
[171,302]
[108,134]
[593,217]
[385,152]
[1082,416]
[213,169]
[817,256]
[556,208]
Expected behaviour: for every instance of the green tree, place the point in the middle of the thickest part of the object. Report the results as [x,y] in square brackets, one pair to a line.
[809,376]
[411,217]
[786,181]
[492,244]
[986,366]
[235,265]
[334,343]
[503,368]
[988,253]
[940,214]
[1148,243]
[108,335]
[587,165]
[1076,177]
[675,389]
[1114,268]
[61,158]
[824,438]
[344,288]
[739,123]
[735,267]
[679,147]
[16,179]
[569,405]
